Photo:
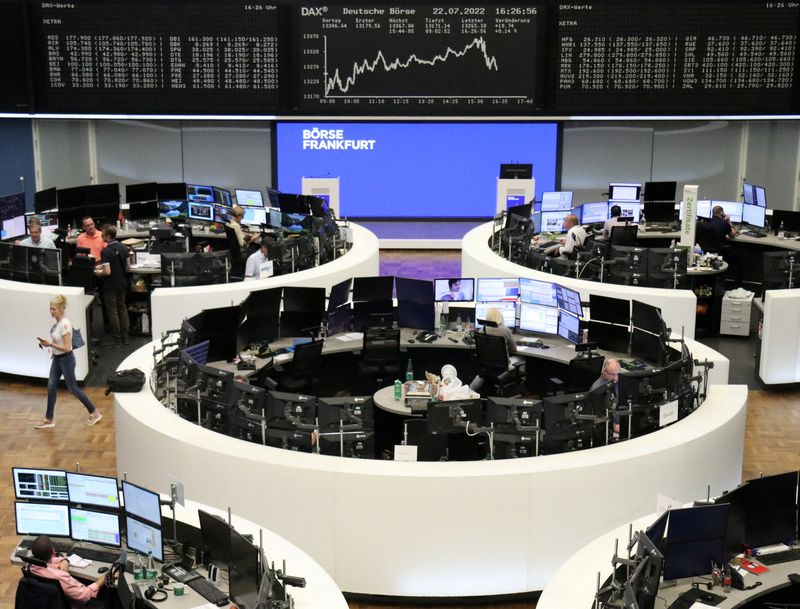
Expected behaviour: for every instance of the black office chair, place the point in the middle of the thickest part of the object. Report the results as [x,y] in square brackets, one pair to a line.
[430,447]
[705,238]
[237,256]
[624,235]
[380,355]
[34,592]
[306,360]
[581,373]
[493,365]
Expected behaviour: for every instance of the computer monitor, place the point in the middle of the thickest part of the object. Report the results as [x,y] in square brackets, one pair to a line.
[196,192]
[507,309]
[658,211]
[95,527]
[215,535]
[288,410]
[594,213]
[660,191]
[35,483]
[748,194]
[656,531]
[754,215]
[243,571]
[452,416]
[760,196]
[145,210]
[144,538]
[254,216]
[352,411]
[562,430]
[293,204]
[538,318]
[199,211]
[222,195]
[618,192]
[514,414]
[648,317]
[42,519]
[496,290]
[171,191]
[222,213]
[535,291]
[173,209]
[557,201]
[220,326]
[629,209]
[516,171]
[339,320]
[695,541]
[454,289]
[569,327]
[609,336]
[417,315]
[771,510]
[414,290]
[553,221]
[303,300]
[13,227]
[340,294]
[649,347]
[141,503]
[569,300]
[45,200]
[86,489]
[372,289]
[733,209]
[141,192]
[611,310]
[249,198]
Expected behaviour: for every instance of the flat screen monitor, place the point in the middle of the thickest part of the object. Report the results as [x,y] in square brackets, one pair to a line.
[95,527]
[349,410]
[372,289]
[733,209]
[254,216]
[771,510]
[102,194]
[34,483]
[45,200]
[223,196]
[516,171]
[656,531]
[647,317]
[507,309]
[172,209]
[454,289]
[695,540]
[171,191]
[141,503]
[619,191]
[339,320]
[658,211]
[303,300]
[594,213]
[557,201]
[444,417]
[520,211]
[760,196]
[754,215]
[220,326]
[538,318]
[197,192]
[611,310]
[660,191]
[215,534]
[513,201]
[538,292]
[340,294]
[70,198]
[418,291]
[569,327]
[146,210]
[13,227]
[243,572]
[144,538]
[86,489]
[496,290]
[569,300]
[202,212]
[754,195]
[649,347]
[630,209]
[609,336]
[42,519]
[135,193]
[249,198]
[553,221]
[222,213]
[703,209]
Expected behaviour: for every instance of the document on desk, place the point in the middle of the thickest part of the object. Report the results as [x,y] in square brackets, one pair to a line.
[699,605]
[524,349]
[351,336]
[206,606]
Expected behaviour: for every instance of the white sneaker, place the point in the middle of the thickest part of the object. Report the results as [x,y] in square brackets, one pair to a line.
[94,418]
[44,424]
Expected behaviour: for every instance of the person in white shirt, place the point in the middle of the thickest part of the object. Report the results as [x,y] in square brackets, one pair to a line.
[252,267]
[36,238]
[616,212]
[575,235]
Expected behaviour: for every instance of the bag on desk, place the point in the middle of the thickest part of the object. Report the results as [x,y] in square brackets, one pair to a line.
[125,381]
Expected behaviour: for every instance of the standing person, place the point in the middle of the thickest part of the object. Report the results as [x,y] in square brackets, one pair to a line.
[236,224]
[63,363]
[112,270]
[91,238]
[35,238]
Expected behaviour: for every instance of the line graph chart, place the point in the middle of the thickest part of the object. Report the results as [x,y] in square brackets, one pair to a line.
[462,59]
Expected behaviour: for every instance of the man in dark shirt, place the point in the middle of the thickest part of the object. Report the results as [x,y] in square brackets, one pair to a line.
[113,269]
[721,228]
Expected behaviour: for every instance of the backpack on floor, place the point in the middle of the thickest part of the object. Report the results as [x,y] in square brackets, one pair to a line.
[125,381]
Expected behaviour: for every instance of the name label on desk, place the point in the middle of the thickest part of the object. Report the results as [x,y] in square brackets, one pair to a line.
[265,270]
[668,413]
[405,453]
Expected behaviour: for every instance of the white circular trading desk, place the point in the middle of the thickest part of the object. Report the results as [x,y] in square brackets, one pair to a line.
[170,306]
[678,307]
[434,529]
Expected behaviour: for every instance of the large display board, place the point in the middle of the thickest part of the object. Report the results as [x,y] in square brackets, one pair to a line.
[288,57]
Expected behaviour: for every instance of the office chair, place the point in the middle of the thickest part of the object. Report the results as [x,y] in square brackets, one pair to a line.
[380,355]
[306,361]
[34,592]
[624,235]
[581,373]
[430,447]
[236,255]
[705,238]
[493,365]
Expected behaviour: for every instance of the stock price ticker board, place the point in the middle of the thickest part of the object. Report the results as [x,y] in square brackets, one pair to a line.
[416,59]
[156,57]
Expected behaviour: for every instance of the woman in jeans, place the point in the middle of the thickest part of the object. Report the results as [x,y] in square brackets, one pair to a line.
[63,363]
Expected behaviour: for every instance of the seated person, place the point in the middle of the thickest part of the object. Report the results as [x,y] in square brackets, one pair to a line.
[80,595]
[575,236]
[494,315]
[721,229]
[615,212]
[252,268]
[36,238]
[610,375]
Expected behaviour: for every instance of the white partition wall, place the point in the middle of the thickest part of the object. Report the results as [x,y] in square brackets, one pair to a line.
[513,188]
[478,260]
[780,338]
[324,187]
[170,306]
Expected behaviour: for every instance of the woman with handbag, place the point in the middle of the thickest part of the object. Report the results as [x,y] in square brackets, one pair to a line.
[62,364]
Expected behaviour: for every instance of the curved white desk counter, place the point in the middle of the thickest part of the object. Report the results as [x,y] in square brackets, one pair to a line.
[171,305]
[26,315]
[780,338]
[321,592]
[434,529]
[678,307]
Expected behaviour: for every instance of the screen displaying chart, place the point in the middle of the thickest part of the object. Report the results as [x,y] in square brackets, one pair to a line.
[391,59]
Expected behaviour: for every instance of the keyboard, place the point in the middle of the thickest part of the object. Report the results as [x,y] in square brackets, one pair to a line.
[775,558]
[207,590]
[752,233]
[690,597]
[543,245]
[96,555]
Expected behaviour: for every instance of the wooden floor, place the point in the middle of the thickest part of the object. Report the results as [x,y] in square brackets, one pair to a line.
[772,445]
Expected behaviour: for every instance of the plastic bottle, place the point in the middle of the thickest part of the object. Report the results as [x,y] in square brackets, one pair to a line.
[781,234]
[410,370]
[459,326]
[152,572]
[398,390]
[139,571]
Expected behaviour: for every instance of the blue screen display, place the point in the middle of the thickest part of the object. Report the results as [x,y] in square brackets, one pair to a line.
[414,169]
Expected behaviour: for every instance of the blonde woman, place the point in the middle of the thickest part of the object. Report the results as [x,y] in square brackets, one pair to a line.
[495,315]
[62,364]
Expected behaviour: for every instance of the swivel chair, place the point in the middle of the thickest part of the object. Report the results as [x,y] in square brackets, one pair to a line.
[380,355]
[581,373]
[430,447]
[306,361]
[35,592]
[493,365]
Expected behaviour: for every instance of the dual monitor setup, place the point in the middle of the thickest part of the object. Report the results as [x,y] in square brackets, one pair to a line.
[691,542]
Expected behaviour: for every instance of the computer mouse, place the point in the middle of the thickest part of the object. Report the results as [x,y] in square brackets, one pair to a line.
[544,346]
[707,596]
[102,569]
[411,340]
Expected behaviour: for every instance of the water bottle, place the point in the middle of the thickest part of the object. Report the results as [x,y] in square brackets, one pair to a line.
[410,370]
[398,390]
[140,571]
[459,326]
[781,234]
[152,572]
